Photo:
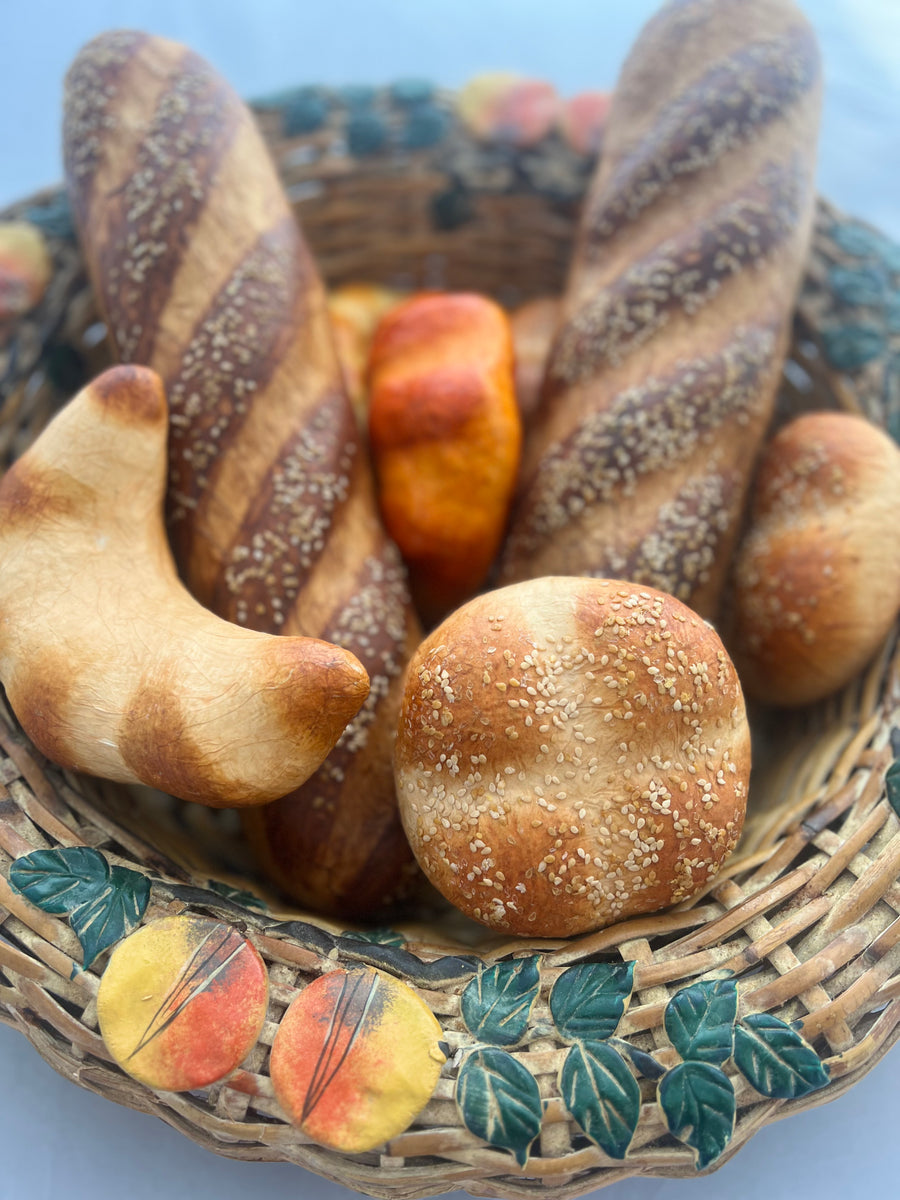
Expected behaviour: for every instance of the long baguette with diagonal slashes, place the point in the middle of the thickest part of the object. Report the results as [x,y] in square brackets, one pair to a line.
[662,375]
[203,274]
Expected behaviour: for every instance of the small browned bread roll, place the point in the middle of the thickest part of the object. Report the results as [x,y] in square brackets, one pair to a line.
[571,752]
[817,577]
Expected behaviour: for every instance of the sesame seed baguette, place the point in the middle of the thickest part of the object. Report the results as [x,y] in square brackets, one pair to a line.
[662,375]
[203,274]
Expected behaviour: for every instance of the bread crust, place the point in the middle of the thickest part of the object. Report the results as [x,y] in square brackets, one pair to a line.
[571,752]
[203,273]
[816,581]
[662,375]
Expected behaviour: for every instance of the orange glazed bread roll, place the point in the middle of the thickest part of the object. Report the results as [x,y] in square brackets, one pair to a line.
[446,437]
[202,273]
[571,752]
[817,576]
[677,311]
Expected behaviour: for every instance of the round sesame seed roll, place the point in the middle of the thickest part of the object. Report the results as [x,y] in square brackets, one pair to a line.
[662,374]
[816,583]
[571,752]
[203,274]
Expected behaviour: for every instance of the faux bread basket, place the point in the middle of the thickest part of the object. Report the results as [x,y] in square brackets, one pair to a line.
[783,977]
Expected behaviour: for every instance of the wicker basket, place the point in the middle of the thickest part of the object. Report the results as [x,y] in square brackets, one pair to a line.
[391,187]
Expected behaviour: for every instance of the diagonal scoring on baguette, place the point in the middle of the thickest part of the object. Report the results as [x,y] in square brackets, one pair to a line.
[238,347]
[682,274]
[689,255]
[271,509]
[287,525]
[722,111]
[162,194]
[664,424]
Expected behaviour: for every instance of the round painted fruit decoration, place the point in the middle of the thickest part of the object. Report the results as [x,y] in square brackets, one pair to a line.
[355,1059]
[182,1002]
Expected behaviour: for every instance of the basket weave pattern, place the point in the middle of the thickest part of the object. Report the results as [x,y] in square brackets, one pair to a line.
[806,917]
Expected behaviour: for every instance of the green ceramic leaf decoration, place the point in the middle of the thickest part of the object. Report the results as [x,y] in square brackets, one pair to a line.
[59,880]
[698,1105]
[588,1000]
[858,240]
[776,1060]
[700,1021]
[303,111]
[116,909]
[858,286]
[426,126]
[499,1101]
[602,1095]
[497,1003]
[411,92]
[367,133]
[890,390]
[849,347]
[104,904]
[892,312]
[892,784]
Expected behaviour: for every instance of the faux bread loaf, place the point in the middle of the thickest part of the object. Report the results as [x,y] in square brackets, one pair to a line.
[816,585]
[677,310]
[571,752]
[110,665]
[354,310]
[446,437]
[533,326]
[202,273]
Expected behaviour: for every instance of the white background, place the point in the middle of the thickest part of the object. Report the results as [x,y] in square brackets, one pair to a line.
[57,1140]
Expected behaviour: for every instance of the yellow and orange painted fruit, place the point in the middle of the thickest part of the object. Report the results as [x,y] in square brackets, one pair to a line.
[582,121]
[355,1059]
[446,436]
[498,106]
[182,1002]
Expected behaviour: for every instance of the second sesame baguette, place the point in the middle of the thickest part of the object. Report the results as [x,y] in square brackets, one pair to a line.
[662,375]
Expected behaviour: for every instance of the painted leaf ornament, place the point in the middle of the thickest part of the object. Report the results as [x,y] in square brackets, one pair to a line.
[103,902]
[582,120]
[497,1003]
[699,1108]
[602,1095]
[499,1101]
[776,1059]
[182,1002]
[498,106]
[700,1019]
[892,786]
[588,1000]
[355,1059]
